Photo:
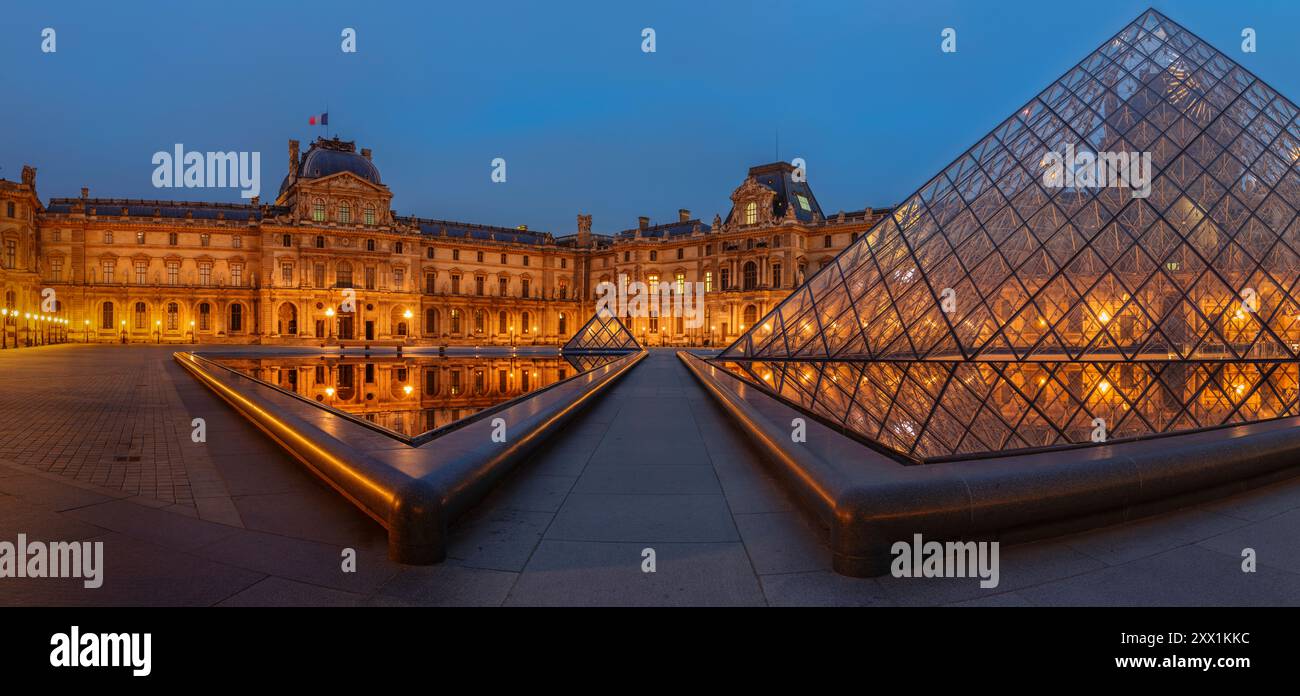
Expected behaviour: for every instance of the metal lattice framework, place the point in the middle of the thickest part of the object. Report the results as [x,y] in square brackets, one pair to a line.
[1001,261]
[603,332]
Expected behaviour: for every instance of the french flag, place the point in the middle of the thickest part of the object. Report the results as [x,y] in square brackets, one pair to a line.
[322,120]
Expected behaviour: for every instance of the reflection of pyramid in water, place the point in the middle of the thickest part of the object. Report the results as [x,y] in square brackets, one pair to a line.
[1083,273]
[1068,304]
[603,332]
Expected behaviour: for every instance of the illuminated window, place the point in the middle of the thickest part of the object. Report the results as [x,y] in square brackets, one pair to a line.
[751,213]
[345,213]
[318,211]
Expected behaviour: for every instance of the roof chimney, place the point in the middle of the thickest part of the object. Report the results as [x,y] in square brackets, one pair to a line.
[365,152]
[293,159]
[642,222]
[85,192]
[683,215]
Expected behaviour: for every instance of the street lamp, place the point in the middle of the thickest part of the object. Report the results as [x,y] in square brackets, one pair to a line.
[124,332]
[27,328]
[408,389]
[329,314]
[4,328]
[191,331]
[85,323]
[157,330]
[512,335]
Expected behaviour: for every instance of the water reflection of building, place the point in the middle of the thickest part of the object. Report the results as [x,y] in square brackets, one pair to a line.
[408,395]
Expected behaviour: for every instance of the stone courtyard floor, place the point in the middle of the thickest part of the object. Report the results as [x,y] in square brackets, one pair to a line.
[95,445]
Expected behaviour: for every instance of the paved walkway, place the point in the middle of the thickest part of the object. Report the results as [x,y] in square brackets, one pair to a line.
[654,464]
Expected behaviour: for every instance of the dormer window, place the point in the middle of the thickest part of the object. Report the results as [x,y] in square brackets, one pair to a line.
[751,213]
[345,213]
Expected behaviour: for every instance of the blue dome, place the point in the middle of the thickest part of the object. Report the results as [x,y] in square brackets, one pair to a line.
[328,157]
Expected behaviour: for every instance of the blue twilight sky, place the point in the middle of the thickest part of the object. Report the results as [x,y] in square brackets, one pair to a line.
[586,121]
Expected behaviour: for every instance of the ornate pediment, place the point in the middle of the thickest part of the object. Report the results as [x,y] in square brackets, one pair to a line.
[752,193]
[751,190]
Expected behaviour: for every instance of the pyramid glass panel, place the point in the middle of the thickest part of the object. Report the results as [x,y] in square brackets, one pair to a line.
[1118,259]
[602,333]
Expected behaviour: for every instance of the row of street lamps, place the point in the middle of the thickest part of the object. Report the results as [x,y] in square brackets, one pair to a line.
[48,328]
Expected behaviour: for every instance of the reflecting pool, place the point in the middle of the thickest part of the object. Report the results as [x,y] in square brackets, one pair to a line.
[410,395]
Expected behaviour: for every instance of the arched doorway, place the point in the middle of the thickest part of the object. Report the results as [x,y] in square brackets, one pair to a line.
[400,321]
[286,321]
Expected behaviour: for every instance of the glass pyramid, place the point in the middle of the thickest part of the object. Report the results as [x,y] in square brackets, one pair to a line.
[1056,303]
[603,332]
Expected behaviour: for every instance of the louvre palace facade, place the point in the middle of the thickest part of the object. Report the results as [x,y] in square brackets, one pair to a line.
[154,271]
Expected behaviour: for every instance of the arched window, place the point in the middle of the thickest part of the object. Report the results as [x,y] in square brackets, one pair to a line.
[11,299]
[173,316]
[751,213]
[343,275]
[750,315]
[502,327]
[107,321]
[455,321]
[139,315]
[205,317]
[345,213]
[480,321]
[236,318]
[525,323]
[431,321]
[750,275]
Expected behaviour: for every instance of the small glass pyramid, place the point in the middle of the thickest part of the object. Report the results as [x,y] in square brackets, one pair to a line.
[603,332]
[1005,306]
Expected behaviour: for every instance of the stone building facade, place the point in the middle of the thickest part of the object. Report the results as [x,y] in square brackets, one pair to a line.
[288,272]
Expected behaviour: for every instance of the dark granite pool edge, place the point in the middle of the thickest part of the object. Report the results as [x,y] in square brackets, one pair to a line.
[414,491]
[869,501]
